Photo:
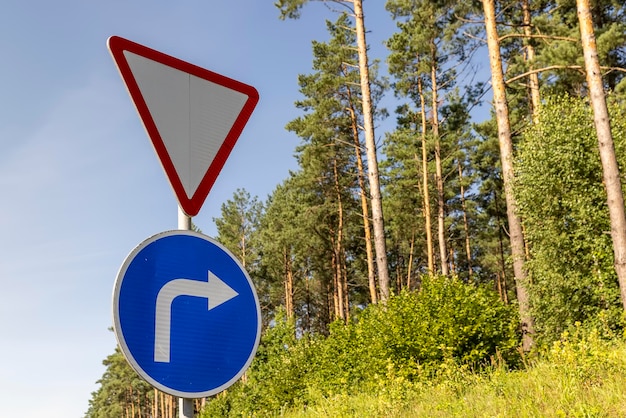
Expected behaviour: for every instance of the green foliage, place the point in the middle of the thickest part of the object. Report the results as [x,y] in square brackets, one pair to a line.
[239,230]
[313,227]
[581,375]
[290,8]
[563,204]
[445,327]
[557,48]
[238,224]
[120,390]
[446,320]
[583,354]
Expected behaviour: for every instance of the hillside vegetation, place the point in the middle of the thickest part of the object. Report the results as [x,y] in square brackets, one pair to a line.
[448,350]
[577,377]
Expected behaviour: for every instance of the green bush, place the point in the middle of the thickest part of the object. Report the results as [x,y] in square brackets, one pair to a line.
[562,201]
[580,375]
[415,336]
[446,320]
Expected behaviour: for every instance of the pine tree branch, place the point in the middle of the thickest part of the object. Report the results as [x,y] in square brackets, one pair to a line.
[562,67]
[521,35]
[469,35]
[611,69]
[540,70]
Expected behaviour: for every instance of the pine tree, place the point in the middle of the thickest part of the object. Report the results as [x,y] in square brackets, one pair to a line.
[425,54]
[327,155]
[122,393]
[237,226]
[291,9]
[280,238]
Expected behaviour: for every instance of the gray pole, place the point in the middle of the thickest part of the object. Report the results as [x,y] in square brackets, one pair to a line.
[185,408]
[184,221]
[185,405]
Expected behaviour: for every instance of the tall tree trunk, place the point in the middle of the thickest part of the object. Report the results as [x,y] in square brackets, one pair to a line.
[468,249]
[533,78]
[155,404]
[242,239]
[308,326]
[501,287]
[162,399]
[441,211]
[369,252]
[288,283]
[506,158]
[337,309]
[132,402]
[342,297]
[399,275]
[451,259]
[610,169]
[330,302]
[344,279]
[427,225]
[501,276]
[372,161]
[410,268]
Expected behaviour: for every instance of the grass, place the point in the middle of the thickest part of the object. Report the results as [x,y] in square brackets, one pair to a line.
[585,377]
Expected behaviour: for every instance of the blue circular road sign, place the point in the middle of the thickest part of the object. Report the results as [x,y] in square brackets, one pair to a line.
[186,314]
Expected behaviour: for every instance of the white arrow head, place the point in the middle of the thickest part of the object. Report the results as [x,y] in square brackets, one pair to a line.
[214,290]
[219,291]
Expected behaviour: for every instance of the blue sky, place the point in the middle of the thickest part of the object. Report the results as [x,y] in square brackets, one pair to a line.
[80,183]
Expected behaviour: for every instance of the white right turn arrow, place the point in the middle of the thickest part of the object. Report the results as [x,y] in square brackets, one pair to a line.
[214,290]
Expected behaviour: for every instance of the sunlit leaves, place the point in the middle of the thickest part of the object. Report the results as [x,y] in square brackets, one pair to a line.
[563,204]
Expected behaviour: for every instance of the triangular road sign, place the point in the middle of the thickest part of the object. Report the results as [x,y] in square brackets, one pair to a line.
[192,115]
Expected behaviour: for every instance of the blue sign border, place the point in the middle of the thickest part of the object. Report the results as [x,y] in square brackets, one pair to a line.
[158,375]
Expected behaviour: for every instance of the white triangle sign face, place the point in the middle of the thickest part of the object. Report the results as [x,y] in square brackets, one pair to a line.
[192,115]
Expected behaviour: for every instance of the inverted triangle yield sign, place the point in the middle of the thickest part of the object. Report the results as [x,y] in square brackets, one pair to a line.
[192,115]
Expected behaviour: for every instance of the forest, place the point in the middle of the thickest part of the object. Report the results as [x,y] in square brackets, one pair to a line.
[448,258]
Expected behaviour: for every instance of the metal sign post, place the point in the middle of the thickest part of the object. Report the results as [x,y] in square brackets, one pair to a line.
[185,405]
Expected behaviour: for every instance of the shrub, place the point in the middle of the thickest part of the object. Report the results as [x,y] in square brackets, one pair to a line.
[415,336]
[446,319]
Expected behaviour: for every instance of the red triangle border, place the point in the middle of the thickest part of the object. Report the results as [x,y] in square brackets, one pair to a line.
[191,206]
